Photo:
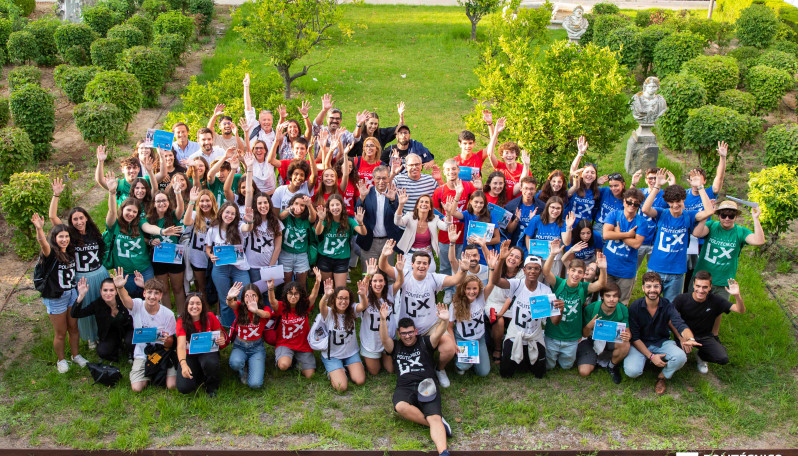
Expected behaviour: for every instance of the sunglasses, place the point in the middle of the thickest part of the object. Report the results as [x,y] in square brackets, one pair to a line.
[194,293]
[615,177]
[727,215]
[632,203]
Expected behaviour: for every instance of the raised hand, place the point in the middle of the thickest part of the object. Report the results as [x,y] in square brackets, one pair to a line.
[723,149]
[242,122]
[321,213]
[38,221]
[487,116]
[501,124]
[400,108]
[601,260]
[436,172]
[756,212]
[120,279]
[282,111]
[636,176]
[270,284]
[249,159]
[193,195]
[695,179]
[391,192]
[400,262]
[387,249]
[326,102]
[492,259]
[603,179]
[733,288]
[504,250]
[110,181]
[58,186]
[317,274]
[385,310]
[525,159]
[177,187]
[362,186]
[328,287]
[363,286]
[453,232]
[579,246]
[662,177]
[249,215]
[83,286]
[371,266]
[360,214]
[101,153]
[146,163]
[218,110]
[402,194]
[303,110]
[556,246]
[138,279]
[581,145]
[361,117]
[570,219]
[235,291]
[671,178]
[443,311]
[324,135]
[246,80]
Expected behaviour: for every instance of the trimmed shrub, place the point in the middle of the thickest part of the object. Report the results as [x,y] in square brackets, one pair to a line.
[105,53]
[204,10]
[781,145]
[5,112]
[144,24]
[16,152]
[626,41]
[26,6]
[709,124]
[587,37]
[154,8]
[33,110]
[178,5]
[776,191]
[682,92]
[717,72]
[10,10]
[652,16]
[26,193]
[778,59]
[768,85]
[649,37]
[174,22]
[672,51]
[99,122]
[786,46]
[22,47]
[6,27]
[24,74]
[172,45]
[757,26]
[72,80]
[606,8]
[606,23]
[77,56]
[128,34]
[70,35]
[44,32]
[742,102]
[125,8]
[717,32]
[101,18]
[149,67]
[745,53]
[118,88]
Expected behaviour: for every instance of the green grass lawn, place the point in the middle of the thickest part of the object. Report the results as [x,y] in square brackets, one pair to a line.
[741,402]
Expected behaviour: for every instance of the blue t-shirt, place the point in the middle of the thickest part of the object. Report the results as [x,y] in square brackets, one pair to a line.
[669,255]
[693,203]
[608,203]
[622,259]
[589,252]
[537,230]
[651,223]
[582,206]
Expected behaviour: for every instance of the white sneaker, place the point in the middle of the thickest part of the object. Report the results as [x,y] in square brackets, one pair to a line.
[442,378]
[92,345]
[447,297]
[702,365]
[62,366]
[79,360]
[459,372]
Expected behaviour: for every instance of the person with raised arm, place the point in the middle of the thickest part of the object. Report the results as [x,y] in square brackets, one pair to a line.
[380,203]
[165,213]
[298,219]
[114,323]
[374,291]
[261,127]
[130,167]
[288,133]
[368,126]
[335,230]
[334,118]
[509,153]
[198,221]
[624,232]
[248,357]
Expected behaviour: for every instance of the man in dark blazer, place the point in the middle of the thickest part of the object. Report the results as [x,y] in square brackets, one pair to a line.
[380,204]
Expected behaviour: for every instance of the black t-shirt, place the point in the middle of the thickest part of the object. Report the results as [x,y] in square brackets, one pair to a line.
[167,180]
[383,135]
[61,279]
[700,316]
[88,255]
[385,157]
[414,363]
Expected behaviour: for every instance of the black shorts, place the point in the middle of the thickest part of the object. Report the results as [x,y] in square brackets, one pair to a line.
[167,268]
[409,394]
[336,266]
[586,355]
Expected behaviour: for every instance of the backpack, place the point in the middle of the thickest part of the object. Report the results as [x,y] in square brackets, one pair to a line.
[108,259]
[41,274]
[104,374]
[319,336]
[159,360]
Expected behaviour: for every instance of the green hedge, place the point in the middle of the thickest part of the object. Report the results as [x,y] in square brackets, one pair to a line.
[718,73]
[118,88]
[781,145]
[709,124]
[172,44]
[673,50]
[682,92]
[649,37]
[757,26]
[16,152]
[5,112]
[742,102]
[22,47]
[149,67]
[105,53]
[99,123]
[174,22]
[626,41]
[606,23]
[204,11]
[130,35]
[33,110]
[22,75]
[69,36]
[72,80]
[101,18]
[768,85]
[144,24]
[778,59]
[43,31]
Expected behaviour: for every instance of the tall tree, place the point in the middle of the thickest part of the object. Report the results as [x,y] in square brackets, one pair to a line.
[476,10]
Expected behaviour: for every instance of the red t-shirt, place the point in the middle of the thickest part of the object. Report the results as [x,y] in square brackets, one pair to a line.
[365,171]
[249,332]
[512,177]
[474,161]
[213,325]
[293,330]
[284,169]
[440,196]
[349,197]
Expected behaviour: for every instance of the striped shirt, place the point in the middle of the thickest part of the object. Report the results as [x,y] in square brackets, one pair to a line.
[425,185]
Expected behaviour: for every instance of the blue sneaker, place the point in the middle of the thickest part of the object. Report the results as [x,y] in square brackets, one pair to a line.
[448,431]
[444,453]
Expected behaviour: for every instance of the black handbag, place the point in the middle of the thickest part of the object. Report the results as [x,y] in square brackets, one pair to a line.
[159,360]
[104,374]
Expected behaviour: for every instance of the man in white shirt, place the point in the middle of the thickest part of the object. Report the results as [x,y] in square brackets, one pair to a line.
[207,150]
[229,137]
[260,128]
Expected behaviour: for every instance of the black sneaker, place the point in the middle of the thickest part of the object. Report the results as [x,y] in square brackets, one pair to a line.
[447,427]
[211,394]
[615,373]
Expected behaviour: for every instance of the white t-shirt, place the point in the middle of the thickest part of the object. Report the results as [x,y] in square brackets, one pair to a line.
[418,300]
[164,320]
[196,253]
[370,326]
[282,196]
[519,311]
[474,327]
[259,245]
[343,343]
[263,176]
[216,154]
[216,237]
[498,296]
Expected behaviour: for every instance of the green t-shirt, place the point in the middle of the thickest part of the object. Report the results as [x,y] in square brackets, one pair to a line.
[570,327]
[123,189]
[333,244]
[130,253]
[721,251]
[621,314]
[295,236]
[217,188]
[161,224]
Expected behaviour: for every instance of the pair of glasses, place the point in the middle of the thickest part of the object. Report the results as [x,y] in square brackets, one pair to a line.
[727,215]
[406,333]
[615,177]
[632,203]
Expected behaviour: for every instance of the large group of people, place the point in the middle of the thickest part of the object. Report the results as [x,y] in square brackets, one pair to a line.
[220,235]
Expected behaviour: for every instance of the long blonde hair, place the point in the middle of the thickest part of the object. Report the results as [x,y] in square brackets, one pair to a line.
[199,219]
[462,307]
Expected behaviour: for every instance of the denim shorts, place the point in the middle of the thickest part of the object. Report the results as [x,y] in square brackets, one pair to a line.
[294,262]
[60,305]
[333,364]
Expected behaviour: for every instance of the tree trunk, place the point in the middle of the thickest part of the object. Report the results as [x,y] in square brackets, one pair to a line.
[473,30]
[287,80]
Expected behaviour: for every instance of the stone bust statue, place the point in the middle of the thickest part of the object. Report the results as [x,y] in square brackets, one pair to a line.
[575,24]
[648,105]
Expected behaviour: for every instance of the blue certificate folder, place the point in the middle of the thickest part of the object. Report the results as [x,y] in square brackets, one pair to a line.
[166,252]
[480,229]
[226,254]
[608,331]
[540,307]
[163,139]
[145,335]
[500,215]
[468,173]
[468,351]
[539,248]
[204,342]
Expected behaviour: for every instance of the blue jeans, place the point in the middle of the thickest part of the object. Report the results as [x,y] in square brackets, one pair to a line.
[130,285]
[483,368]
[253,354]
[446,266]
[635,362]
[223,278]
[560,351]
[672,285]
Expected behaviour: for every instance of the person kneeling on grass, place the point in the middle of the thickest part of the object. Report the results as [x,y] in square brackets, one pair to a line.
[417,395]
[591,352]
[148,313]
[204,367]
[337,308]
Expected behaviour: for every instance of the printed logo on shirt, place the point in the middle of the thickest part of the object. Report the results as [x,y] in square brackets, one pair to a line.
[258,242]
[619,248]
[294,238]
[414,305]
[670,240]
[334,243]
[66,276]
[469,328]
[339,336]
[87,256]
[292,327]
[716,253]
[124,245]
[583,207]
[409,362]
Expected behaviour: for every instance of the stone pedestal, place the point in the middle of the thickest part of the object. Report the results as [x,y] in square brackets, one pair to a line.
[642,150]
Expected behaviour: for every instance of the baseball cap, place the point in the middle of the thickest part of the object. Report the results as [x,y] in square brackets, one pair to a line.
[533,259]
[403,127]
[427,391]
[728,204]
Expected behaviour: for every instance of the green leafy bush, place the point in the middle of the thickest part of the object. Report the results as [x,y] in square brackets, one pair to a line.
[6,27]
[101,18]
[587,37]
[606,8]
[124,8]
[649,37]
[149,67]
[776,191]
[22,47]
[786,46]
[16,152]
[70,35]
[745,53]
[682,92]
[717,72]
[33,110]
[174,22]
[626,41]
[105,53]
[204,10]
[757,26]
[768,85]
[672,51]
[178,5]
[72,80]
[99,122]
[153,8]
[778,59]
[606,23]
[5,112]
[26,6]
[144,24]
[742,102]
[781,145]
[24,74]
[26,193]
[128,34]
[118,88]
[44,32]
[652,16]
[709,124]
[77,56]
[172,45]
[717,32]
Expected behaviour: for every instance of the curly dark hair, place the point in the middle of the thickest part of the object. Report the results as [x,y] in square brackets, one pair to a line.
[302,307]
[674,193]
